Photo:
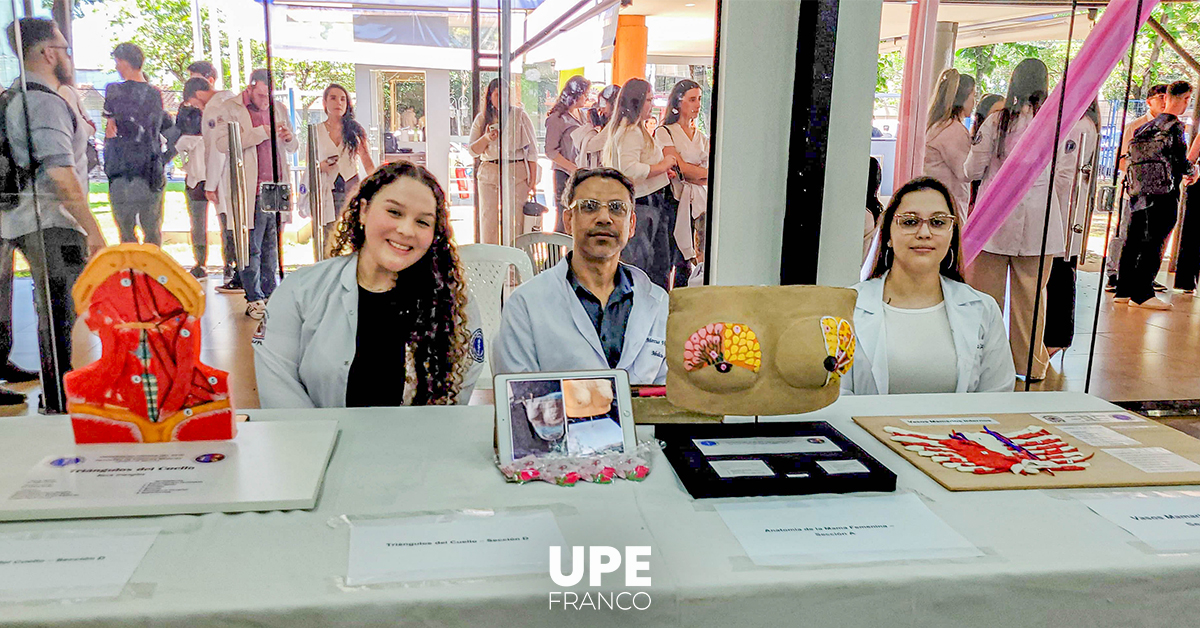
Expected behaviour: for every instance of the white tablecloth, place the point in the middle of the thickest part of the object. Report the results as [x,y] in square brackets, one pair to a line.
[1050,561]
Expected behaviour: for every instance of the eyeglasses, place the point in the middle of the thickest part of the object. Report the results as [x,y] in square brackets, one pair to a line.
[591,206]
[911,223]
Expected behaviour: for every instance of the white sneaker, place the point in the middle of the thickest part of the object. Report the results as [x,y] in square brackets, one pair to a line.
[1153,303]
[1120,299]
[256,309]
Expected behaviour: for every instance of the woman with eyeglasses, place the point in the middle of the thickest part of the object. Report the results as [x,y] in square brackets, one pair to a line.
[920,328]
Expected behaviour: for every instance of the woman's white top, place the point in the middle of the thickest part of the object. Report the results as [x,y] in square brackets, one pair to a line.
[520,141]
[589,145]
[632,151]
[946,148]
[1021,232]
[348,166]
[981,359]
[693,197]
[920,350]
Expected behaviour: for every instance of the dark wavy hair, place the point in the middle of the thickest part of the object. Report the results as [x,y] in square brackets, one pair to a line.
[352,132]
[490,113]
[575,90]
[439,338]
[981,111]
[951,266]
[673,101]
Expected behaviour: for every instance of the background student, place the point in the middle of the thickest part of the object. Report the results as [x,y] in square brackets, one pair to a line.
[562,120]
[948,142]
[520,150]
[679,137]
[345,157]
[631,149]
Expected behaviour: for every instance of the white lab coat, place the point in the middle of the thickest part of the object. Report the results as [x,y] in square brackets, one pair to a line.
[304,346]
[235,110]
[984,358]
[216,163]
[545,328]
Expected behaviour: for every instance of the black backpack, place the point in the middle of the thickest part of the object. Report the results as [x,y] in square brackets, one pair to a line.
[1149,169]
[14,178]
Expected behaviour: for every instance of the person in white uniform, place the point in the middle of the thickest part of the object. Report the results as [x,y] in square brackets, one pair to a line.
[344,157]
[386,321]
[679,136]
[590,311]
[520,151]
[948,142]
[920,328]
[1012,259]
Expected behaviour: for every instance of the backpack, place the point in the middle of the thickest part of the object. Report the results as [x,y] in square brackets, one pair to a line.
[14,178]
[1150,170]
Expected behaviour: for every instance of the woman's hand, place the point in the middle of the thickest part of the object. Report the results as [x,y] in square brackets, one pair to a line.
[493,133]
[329,165]
[663,166]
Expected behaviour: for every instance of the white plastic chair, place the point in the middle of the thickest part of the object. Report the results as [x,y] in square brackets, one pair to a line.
[486,268]
[544,249]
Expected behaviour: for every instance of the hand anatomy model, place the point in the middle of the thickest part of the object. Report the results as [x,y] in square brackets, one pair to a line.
[1026,452]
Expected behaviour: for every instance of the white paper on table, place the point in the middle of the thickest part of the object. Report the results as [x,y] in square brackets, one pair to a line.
[741,468]
[1097,435]
[440,547]
[124,476]
[765,445]
[1084,418]
[842,530]
[841,467]
[1165,523]
[966,420]
[586,438]
[70,564]
[1153,460]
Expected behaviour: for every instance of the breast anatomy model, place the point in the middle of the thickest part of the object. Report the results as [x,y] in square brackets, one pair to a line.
[1029,451]
[148,385]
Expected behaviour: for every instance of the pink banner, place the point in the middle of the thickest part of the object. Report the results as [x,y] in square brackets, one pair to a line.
[1104,48]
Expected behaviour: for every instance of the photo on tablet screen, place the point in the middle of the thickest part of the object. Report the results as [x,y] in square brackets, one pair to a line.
[572,417]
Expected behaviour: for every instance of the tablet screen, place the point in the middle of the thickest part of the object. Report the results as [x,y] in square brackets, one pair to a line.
[565,416]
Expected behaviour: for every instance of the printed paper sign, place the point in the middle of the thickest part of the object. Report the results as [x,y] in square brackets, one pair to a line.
[120,476]
[839,467]
[741,468]
[1084,418]
[439,548]
[842,530]
[70,564]
[1153,460]
[765,445]
[1097,435]
[969,420]
[1165,523]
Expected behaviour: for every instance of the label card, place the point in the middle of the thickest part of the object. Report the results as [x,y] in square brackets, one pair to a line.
[838,467]
[765,445]
[742,468]
[1097,435]
[70,564]
[123,476]
[1084,418]
[969,420]
[1164,523]
[437,547]
[1153,460]
[842,530]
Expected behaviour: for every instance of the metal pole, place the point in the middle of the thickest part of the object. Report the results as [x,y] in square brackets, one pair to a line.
[475,110]
[237,198]
[316,197]
[508,201]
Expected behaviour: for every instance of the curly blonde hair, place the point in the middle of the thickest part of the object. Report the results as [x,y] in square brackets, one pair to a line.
[440,340]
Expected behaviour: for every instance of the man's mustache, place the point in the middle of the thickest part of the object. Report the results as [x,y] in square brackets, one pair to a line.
[602,232]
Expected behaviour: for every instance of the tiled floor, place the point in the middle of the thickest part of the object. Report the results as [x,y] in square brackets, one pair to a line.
[1139,354]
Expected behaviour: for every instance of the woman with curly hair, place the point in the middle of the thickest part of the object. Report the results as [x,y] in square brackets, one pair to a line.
[386,321]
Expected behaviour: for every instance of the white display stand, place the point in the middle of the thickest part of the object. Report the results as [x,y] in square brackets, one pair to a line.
[272,465]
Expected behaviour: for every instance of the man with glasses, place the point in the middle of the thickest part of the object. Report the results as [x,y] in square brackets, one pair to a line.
[590,311]
[51,222]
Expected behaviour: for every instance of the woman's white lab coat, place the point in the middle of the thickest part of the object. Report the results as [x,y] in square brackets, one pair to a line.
[1021,232]
[976,323]
[304,346]
[545,328]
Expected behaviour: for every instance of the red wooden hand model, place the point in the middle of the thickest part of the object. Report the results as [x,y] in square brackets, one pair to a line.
[1027,452]
[148,385]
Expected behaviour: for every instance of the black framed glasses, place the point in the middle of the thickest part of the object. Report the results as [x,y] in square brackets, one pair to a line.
[591,206]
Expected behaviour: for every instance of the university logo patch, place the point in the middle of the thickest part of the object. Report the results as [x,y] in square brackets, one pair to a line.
[477,346]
